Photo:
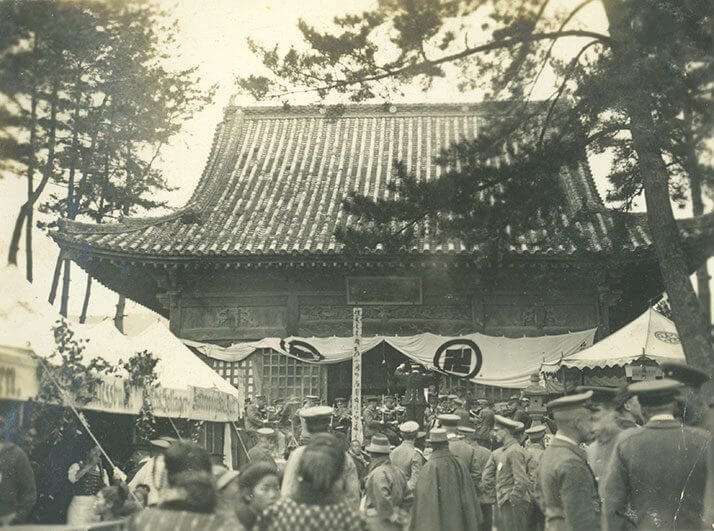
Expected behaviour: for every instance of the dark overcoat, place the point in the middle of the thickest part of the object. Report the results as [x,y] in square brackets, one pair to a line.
[444,497]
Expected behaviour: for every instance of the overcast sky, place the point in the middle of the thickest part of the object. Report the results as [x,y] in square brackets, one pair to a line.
[212,35]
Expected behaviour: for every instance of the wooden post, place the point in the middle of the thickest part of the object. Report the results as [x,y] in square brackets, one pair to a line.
[357,375]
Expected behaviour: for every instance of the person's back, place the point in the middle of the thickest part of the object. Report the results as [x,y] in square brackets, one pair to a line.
[667,494]
[190,501]
[386,503]
[316,503]
[18,492]
[467,454]
[409,460]
[444,496]
[317,420]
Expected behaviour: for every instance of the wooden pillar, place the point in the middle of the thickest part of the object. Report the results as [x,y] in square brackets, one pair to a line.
[175,312]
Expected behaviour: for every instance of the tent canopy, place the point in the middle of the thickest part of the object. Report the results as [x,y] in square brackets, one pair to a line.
[651,335]
[505,362]
[187,387]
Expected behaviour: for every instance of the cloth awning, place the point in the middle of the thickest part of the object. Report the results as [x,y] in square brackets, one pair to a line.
[651,336]
[504,362]
[187,387]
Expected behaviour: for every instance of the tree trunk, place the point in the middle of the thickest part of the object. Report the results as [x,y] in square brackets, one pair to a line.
[55,279]
[85,303]
[64,299]
[17,231]
[119,315]
[694,171]
[26,209]
[686,310]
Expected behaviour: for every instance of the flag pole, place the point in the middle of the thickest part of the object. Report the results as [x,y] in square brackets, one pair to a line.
[357,374]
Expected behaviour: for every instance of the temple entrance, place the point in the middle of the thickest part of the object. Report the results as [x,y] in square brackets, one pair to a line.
[378,366]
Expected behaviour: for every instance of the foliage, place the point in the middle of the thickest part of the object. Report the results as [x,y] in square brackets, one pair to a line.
[642,93]
[87,99]
[141,368]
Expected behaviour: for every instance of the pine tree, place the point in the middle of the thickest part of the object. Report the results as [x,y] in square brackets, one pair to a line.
[115,106]
[623,91]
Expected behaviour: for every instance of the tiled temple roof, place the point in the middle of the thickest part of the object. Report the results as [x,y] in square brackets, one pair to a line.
[275,179]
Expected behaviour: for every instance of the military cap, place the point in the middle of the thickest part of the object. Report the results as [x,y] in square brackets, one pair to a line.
[448,419]
[508,423]
[571,401]
[437,435]
[536,432]
[655,392]
[315,412]
[684,373]
[601,394]
[409,427]
[466,430]
[514,397]
[265,432]
[525,399]
[340,399]
[378,445]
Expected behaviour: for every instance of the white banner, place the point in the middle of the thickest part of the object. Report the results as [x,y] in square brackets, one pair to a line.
[483,359]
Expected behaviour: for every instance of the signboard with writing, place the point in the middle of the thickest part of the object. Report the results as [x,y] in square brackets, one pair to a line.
[18,381]
[18,375]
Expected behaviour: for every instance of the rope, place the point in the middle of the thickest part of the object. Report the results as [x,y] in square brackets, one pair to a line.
[240,439]
[175,428]
[68,402]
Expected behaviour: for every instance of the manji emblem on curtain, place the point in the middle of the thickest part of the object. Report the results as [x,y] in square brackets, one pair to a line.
[459,357]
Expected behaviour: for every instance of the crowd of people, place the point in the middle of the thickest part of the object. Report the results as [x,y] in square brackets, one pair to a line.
[611,458]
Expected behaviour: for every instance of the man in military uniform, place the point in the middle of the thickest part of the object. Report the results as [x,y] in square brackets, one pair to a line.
[568,486]
[264,448]
[506,475]
[317,420]
[517,406]
[460,448]
[605,428]
[667,493]
[690,405]
[406,457]
[534,447]
[254,417]
[483,419]
[480,459]
[461,412]
[386,492]
[342,419]
[415,379]
[370,418]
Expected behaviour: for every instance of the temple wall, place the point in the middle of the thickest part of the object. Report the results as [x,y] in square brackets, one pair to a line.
[241,306]
[253,305]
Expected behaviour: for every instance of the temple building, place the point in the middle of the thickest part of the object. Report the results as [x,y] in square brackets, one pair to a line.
[252,254]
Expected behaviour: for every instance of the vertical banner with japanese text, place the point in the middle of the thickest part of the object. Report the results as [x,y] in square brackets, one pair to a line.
[357,374]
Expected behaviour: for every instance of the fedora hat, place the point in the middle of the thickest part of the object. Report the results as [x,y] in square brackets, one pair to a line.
[378,445]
